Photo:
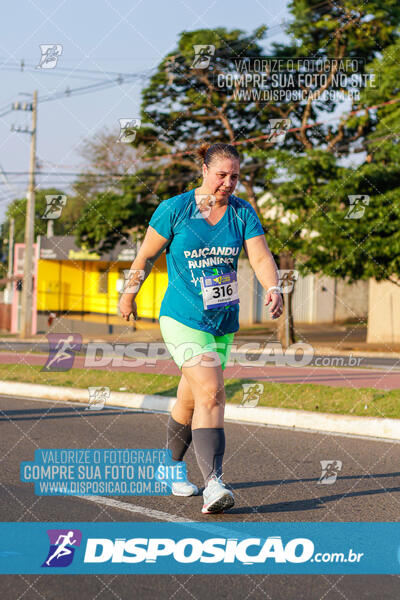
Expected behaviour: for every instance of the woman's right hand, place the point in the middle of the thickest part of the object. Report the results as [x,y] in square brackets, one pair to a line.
[127,307]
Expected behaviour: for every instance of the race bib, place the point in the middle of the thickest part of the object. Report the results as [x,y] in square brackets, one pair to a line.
[220,290]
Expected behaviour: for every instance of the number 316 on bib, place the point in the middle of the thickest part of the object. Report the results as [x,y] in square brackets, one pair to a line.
[220,290]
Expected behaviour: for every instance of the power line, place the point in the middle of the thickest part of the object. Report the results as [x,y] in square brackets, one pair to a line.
[121,78]
[186,152]
[78,73]
[90,88]
[69,70]
[52,72]
[6,112]
[74,174]
[96,86]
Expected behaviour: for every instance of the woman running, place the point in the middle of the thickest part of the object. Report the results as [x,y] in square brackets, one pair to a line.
[203,231]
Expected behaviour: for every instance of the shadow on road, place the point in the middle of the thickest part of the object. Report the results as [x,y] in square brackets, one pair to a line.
[34,414]
[251,484]
[308,504]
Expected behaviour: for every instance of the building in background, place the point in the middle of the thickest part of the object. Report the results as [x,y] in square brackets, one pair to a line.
[83,287]
[316,299]
[16,296]
[78,290]
[384,312]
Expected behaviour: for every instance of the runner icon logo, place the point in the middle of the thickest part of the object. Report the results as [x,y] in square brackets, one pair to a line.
[50,55]
[63,543]
[62,348]
[278,130]
[204,203]
[98,396]
[287,279]
[251,394]
[330,470]
[202,55]
[128,130]
[54,205]
[357,206]
[133,279]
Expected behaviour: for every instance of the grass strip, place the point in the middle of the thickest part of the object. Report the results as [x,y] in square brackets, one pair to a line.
[312,397]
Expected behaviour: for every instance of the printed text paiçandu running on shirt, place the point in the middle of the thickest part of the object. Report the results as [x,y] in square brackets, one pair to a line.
[212,254]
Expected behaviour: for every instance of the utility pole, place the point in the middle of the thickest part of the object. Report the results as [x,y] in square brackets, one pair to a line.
[27,289]
[50,228]
[285,328]
[10,284]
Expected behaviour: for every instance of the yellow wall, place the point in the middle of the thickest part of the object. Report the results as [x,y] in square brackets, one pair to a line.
[152,292]
[73,286]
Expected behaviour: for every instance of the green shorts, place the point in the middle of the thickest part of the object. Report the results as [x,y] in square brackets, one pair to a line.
[184,342]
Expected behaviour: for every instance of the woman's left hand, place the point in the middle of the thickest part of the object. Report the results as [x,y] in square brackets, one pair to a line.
[276,308]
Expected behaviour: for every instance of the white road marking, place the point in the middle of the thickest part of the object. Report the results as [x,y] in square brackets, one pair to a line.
[148,512]
[212,528]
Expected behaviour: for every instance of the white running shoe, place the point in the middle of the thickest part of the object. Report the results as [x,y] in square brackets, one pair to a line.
[184,488]
[216,497]
[180,488]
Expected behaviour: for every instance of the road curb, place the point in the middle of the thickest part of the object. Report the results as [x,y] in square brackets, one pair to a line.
[364,426]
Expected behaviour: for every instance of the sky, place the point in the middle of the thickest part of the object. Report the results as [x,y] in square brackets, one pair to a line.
[103,37]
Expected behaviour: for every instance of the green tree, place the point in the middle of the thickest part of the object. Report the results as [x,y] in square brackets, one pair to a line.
[64,225]
[181,108]
[17,210]
[309,184]
[328,233]
[365,244]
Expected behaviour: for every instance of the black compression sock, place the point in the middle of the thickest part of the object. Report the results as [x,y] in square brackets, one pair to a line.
[179,437]
[209,446]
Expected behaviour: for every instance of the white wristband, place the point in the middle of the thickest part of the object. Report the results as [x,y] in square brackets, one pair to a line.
[275,289]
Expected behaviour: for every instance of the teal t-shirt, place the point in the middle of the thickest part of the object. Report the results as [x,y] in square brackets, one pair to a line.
[199,249]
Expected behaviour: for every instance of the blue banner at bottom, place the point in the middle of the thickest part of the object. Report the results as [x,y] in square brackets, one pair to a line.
[206,548]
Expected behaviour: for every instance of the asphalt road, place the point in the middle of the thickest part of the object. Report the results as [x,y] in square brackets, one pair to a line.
[273,473]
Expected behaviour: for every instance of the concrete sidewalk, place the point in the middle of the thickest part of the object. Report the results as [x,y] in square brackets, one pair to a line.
[384,429]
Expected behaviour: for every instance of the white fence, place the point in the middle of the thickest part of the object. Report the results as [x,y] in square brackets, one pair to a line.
[316,299]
